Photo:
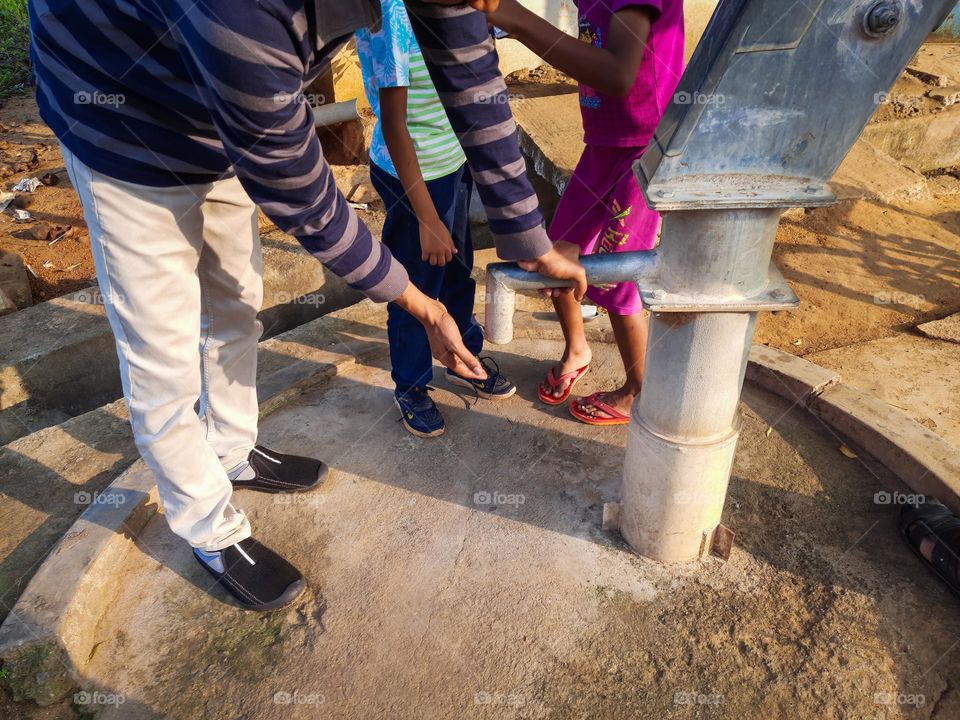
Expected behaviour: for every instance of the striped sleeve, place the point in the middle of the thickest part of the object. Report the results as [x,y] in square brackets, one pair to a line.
[248,64]
[463,63]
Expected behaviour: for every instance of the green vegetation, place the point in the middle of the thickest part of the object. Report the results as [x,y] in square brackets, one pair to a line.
[14,62]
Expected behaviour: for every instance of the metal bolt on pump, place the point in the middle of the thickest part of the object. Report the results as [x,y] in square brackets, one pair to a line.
[799,82]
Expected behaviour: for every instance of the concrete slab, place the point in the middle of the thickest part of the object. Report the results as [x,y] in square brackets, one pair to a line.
[913,374]
[939,61]
[924,143]
[923,460]
[14,284]
[947,96]
[7,305]
[787,375]
[869,174]
[47,480]
[467,576]
[551,133]
[58,358]
[946,329]
[63,603]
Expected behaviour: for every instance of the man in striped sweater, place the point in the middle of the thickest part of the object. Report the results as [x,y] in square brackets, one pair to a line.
[176,118]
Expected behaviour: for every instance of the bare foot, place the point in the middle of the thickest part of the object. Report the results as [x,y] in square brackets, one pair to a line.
[620,400]
[571,361]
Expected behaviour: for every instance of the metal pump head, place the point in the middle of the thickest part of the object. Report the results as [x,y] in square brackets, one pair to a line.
[775,95]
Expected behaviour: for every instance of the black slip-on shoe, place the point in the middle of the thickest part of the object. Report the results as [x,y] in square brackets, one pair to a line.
[274,472]
[254,574]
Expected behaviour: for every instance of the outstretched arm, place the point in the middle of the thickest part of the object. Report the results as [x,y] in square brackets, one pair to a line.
[464,66]
[611,69]
[268,134]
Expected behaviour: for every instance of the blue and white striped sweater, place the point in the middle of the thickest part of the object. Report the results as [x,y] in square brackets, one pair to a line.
[166,92]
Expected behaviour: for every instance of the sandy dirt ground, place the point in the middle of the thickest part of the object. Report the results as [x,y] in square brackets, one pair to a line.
[865,270]
[29,149]
[449,581]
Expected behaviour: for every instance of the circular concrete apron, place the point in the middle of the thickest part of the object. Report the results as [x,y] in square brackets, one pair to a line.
[467,576]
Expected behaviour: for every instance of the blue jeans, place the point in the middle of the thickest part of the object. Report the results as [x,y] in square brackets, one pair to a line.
[450,284]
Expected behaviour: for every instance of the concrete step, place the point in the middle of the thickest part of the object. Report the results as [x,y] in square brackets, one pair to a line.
[925,143]
[48,478]
[58,358]
[867,173]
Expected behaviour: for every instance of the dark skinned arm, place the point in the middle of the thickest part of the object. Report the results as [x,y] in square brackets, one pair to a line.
[612,70]
[436,245]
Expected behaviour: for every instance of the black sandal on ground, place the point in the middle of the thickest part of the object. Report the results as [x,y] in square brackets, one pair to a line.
[254,574]
[933,520]
[275,472]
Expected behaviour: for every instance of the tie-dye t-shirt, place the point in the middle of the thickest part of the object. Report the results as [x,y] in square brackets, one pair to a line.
[630,121]
[392,58]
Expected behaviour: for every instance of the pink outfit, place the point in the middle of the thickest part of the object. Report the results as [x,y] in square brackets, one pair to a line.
[602,209]
[630,121]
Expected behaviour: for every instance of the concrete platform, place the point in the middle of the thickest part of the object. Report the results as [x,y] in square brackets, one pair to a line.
[467,576]
[58,359]
[50,477]
[914,374]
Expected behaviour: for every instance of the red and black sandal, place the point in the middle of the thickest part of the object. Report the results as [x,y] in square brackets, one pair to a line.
[553,382]
[933,521]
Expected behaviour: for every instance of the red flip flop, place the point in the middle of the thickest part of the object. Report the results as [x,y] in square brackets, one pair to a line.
[616,417]
[554,382]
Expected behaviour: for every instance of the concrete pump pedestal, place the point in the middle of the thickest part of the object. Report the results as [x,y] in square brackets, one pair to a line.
[673,498]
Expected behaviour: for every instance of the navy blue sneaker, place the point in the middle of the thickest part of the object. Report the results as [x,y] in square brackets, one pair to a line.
[419,413]
[495,387]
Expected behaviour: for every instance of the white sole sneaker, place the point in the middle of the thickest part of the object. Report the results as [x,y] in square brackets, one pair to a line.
[412,430]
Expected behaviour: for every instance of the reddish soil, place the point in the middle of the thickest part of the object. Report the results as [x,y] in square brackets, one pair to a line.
[28,149]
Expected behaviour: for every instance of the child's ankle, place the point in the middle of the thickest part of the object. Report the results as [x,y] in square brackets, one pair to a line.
[576,351]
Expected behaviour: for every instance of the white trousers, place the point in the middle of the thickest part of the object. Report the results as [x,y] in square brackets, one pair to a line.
[181,275]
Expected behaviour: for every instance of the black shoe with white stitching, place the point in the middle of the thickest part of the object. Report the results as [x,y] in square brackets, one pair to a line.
[254,574]
[274,472]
